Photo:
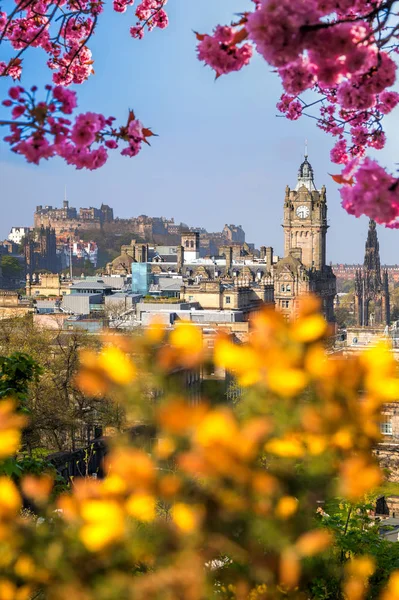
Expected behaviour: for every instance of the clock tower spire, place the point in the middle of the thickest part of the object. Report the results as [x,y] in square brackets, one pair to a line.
[305,219]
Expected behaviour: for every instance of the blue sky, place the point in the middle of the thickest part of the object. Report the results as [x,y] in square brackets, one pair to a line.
[222,155]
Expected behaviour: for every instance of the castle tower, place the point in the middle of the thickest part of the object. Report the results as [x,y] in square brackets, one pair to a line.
[305,219]
[372,306]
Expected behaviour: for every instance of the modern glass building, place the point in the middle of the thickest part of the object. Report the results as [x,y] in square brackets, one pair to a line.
[141,278]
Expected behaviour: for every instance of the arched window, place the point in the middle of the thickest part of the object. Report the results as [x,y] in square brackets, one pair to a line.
[187,244]
[192,243]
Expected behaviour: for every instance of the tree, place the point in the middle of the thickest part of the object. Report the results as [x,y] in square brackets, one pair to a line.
[11,267]
[61,417]
[340,50]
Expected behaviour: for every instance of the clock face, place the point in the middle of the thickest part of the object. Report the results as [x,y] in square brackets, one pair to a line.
[302,211]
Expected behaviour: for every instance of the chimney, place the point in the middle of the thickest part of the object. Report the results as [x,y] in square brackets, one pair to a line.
[229,256]
[296,253]
[269,257]
[180,258]
[262,252]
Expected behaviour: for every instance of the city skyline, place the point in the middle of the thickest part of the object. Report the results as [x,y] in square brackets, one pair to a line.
[208,166]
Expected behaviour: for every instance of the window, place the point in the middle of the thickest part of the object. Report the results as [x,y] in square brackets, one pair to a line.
[192,243]
[283,288]
[190,298]
[227,299]
[187,243]
[288,287]
[285,303]
[386,427]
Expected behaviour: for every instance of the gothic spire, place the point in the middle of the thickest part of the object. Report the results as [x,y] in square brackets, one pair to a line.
[372,262]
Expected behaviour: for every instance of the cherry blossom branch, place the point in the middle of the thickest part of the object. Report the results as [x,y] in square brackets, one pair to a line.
[47,133]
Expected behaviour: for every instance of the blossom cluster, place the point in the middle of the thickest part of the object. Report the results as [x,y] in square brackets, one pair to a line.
[339,50]
[374,192]
[39,130]
[63,29]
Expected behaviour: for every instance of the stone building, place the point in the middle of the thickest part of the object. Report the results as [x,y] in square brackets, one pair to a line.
[372,306]
[303,269]
[68,219]
[132,253]
[40,251]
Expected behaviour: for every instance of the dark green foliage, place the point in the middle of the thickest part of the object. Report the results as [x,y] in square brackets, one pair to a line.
[16,372]
[11,267]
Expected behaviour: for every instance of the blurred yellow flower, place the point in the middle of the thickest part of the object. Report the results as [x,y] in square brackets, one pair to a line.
[10,428]
[187,337]
[314,542]
[289,568]
[25,567]
[309,329]
[361,566]
[286,507]
[104,523]
[116,365]
[10,440]
[10,500]
[359,476]
[38,488]
[187,518]
[391,591]
[218,426]
[141,507]
[288,447]
[285,381]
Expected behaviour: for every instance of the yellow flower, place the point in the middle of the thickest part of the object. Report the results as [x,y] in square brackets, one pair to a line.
[218,426]
[286,507]
[10,500]
[240,359]
[309,329]
[391,591]
[286,382]
[141,507]
[359,476]
[10,440]
[187,338]
[25,567]
[361,566]
[288,447]
[117,365]
[10,428]
[104,524]
[187,518]
[289,568]
[165,447]
[314,542]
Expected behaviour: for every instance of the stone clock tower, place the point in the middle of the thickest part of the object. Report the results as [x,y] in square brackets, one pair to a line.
[303,269]
[305,219]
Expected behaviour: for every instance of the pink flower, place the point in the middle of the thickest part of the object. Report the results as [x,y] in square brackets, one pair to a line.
[339,154]
[34,148]
[67,99]
[375,193]
[86,127]
[387,102]
[17,111]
